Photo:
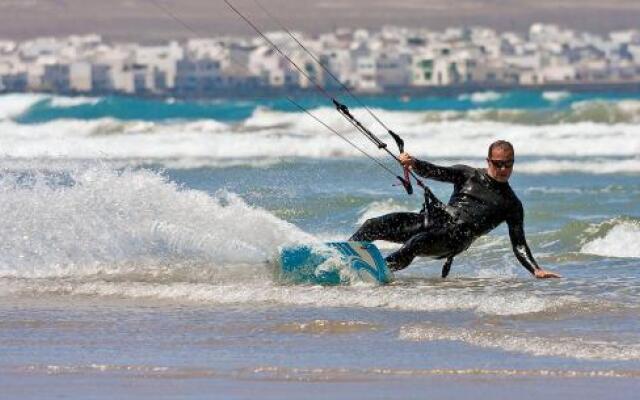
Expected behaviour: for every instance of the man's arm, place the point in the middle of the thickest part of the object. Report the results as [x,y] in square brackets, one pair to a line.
[521,248]
[425,169]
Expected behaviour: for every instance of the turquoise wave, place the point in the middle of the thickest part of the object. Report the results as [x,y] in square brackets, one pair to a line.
[525,107]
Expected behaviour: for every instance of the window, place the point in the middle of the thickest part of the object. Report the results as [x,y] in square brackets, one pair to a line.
[426,64]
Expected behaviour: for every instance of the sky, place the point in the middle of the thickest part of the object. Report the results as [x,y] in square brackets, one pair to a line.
[144,20]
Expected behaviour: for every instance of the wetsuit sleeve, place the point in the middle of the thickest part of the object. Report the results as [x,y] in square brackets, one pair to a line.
[453,174]
[518,241]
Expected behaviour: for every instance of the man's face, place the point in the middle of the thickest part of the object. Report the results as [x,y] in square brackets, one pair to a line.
[500,164]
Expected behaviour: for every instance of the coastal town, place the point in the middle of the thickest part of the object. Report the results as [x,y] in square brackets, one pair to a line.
[392,58]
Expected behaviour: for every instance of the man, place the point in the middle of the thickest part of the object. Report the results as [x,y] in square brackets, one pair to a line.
[482,199]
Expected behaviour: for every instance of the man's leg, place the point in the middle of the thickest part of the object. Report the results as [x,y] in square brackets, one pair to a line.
[434,242]
[395,227]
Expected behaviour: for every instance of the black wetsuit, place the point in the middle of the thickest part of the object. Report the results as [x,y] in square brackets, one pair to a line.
[478,204]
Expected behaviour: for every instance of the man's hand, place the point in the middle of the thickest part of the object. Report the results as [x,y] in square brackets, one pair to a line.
[542,274]
[407,160]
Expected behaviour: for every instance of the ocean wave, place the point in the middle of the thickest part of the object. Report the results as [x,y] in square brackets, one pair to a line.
[96,220]
[66,102]
[300,374]
[620,239]
[569,347]
[574,190]
[592,136]
[207,162]
[378,208]
[481,97]
[549,112]
[14,105]
[597,166]
[266,118]
[260,290]
[594,111]
[583,146]
[580,239]
[461,138]
[556,96]
[326,327]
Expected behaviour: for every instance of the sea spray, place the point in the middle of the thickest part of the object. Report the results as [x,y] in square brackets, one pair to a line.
[91,220]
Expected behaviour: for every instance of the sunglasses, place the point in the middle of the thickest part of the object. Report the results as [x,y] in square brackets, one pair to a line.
[501,163]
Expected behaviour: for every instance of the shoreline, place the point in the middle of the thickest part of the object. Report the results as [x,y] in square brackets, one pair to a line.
[195,385]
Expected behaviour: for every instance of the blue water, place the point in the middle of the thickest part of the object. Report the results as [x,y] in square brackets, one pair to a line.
[138,237]
[124,108]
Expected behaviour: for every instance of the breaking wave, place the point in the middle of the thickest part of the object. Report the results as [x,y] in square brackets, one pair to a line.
[569,347]
[583,147]
[95,220]
[63,102]
[262,291]
[555,96]
[594,136]
[14,105]
[614,238]
[481,97]
[378,208]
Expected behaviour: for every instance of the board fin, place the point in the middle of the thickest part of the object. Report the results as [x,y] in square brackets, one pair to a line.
[446,267]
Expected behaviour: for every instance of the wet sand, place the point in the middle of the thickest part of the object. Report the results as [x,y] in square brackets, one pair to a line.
[109,385]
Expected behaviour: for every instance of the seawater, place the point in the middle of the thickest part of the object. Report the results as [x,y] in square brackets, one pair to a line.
[138,237]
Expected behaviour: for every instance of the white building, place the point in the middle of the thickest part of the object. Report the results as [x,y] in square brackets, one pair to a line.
[366,61]
[395,70]
[80,79]
[123,79]
[162,61]
[341,64]
[365,75]
[56,78]
[101,78]
[266,63]
[559,74]
[198,76]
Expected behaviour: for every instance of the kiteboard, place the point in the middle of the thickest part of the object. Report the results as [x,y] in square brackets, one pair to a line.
[335,263]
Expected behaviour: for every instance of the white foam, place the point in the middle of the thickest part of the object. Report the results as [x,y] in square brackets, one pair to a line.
[95,220]
[592,166]
[261,291]
[578,348]
[553,190]
[13,105]
[584,147]
[620,241]
[605,111]
[628,106]
[481,97]
[555,96]
[551,166]
[378,208]
[299,122]
[206,162]
[314,374]
[502,268]
[65,102]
